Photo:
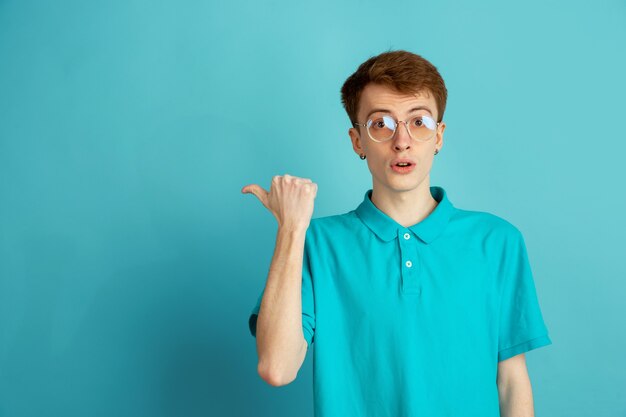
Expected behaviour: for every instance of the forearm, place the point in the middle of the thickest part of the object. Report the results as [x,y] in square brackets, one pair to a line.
[281,346]
[516,398]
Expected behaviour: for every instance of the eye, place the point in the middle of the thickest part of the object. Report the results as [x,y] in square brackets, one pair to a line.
[384,122]
[418,121]
[424,121]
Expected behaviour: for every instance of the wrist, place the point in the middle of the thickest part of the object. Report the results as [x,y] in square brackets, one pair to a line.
[293,228]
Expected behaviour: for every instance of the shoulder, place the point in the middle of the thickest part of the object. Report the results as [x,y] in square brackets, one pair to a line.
[335,221]
[488,227]
[335,224]
[497,239]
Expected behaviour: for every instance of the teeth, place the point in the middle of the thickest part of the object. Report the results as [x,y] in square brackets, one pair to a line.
[402,164]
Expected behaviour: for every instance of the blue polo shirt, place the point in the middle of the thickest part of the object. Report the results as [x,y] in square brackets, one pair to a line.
[412,321]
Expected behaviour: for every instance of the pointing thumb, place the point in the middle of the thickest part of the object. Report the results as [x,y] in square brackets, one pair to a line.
[258,191]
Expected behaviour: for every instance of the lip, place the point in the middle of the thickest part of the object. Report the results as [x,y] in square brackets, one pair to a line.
[402,170]
[398,160]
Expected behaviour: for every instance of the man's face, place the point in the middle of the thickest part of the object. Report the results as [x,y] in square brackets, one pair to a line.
[377,100]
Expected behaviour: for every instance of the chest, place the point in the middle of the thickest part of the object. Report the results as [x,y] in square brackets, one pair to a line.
[396,278]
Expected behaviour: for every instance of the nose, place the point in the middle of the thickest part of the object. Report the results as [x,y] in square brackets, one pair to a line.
[401,138]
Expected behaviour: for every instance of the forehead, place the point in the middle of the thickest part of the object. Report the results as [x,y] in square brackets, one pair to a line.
[376,96]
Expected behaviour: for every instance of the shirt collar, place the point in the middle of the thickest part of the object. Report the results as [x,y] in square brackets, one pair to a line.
[386,228]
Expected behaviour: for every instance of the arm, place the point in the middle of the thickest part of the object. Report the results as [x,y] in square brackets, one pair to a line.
[281,346]
[514,388]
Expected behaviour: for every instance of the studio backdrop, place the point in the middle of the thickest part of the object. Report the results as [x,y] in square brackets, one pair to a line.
[130,260]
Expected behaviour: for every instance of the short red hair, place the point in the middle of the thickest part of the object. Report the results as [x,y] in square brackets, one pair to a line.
[403,71]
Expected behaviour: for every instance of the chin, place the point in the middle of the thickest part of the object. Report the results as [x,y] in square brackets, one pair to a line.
[406,183]
[407,186]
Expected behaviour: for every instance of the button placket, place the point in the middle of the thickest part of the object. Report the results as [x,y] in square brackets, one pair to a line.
[409,263]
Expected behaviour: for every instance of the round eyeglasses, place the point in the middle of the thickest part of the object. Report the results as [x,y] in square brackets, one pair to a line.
[382,128]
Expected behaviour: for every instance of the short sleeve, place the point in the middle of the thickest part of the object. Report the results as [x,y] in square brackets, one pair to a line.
[308,301]
[521,324]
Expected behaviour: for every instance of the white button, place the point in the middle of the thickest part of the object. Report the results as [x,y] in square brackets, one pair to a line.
[407,236]
[409,264]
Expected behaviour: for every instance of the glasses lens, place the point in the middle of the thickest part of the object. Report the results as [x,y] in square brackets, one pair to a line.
[422,127]
[381,128]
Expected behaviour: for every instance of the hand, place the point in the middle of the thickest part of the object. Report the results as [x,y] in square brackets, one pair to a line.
[290,199]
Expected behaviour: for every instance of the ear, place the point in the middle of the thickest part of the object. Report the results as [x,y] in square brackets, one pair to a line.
[355,137]
[440,129]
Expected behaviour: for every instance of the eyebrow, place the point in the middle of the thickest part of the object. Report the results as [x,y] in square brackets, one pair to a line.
[389,111]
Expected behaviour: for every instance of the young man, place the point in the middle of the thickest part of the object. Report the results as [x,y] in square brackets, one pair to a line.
[415,307]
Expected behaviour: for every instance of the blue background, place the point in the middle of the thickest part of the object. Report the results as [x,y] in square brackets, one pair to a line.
[130,260]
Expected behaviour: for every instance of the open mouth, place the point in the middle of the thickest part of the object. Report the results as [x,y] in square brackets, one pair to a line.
[403,167]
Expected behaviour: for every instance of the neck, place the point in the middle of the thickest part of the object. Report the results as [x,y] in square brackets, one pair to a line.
[406,207]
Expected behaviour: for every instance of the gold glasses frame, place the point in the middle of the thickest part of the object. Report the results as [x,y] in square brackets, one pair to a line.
[397,122]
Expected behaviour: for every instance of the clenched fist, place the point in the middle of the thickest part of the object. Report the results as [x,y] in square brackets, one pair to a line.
[290,199]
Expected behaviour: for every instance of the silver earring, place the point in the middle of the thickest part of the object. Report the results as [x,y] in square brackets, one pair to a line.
[362,156]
